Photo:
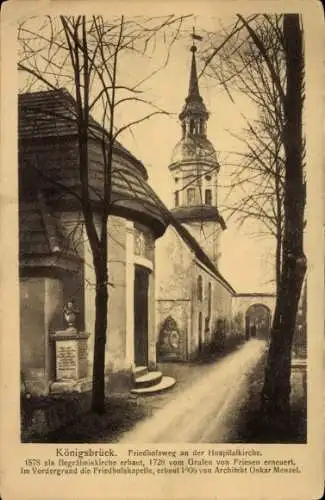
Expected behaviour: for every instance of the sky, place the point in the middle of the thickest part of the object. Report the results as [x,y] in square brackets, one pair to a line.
[246,259]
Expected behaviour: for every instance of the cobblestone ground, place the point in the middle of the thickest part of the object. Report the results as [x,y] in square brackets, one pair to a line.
[204,405]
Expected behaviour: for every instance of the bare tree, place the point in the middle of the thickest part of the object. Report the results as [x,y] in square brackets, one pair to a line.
[279,95]
[258,166]
[276,390]
[84,56]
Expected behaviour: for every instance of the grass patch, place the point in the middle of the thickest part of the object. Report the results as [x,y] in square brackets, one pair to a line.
[253,428]
[121,414]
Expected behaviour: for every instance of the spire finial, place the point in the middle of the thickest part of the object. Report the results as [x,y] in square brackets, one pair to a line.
[194,87]
[195,37]
[193,48]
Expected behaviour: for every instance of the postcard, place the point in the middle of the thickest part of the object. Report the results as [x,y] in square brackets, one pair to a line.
[162,250]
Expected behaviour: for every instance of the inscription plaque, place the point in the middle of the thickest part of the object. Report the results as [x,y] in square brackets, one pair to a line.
[71,355]
[66,359]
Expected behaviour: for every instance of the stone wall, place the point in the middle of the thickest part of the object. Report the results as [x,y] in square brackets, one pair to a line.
[41,302]
[242,302]
[207,234]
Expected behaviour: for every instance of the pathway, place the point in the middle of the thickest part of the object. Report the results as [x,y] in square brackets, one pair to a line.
[207,410]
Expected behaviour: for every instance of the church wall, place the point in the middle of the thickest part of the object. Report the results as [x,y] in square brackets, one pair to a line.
[179,306]
[222,305]
[174,278]
[206,313]
[242,302]
[207,235]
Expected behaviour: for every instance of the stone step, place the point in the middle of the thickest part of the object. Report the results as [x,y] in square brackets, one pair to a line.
[139,371]
[148,379]
[164,384]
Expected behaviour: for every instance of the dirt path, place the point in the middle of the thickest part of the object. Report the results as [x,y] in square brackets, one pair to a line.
[207,410]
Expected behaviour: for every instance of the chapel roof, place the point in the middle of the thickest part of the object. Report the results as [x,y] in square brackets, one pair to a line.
[41,239]
[46,123]
[52,113]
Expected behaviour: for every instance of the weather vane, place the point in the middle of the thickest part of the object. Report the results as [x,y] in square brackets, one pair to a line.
[195,37]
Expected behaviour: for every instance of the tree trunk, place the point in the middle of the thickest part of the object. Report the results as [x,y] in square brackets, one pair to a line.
[278,260]
[101,308]
[276,390]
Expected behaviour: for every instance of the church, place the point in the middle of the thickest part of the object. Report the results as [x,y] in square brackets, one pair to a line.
[192,295]
[168,300]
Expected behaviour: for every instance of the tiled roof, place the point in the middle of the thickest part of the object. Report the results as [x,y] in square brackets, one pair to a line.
[199,252]
[198,213]
[52,113]
[40,233]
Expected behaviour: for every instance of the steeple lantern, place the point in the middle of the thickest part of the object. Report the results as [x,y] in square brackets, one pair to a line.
[194,114]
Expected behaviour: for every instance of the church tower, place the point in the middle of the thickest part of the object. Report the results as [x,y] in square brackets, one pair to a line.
[194,169]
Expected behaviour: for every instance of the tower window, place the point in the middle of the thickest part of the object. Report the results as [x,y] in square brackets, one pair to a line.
[192,126]
[176,198]
[208,197]
[191,196]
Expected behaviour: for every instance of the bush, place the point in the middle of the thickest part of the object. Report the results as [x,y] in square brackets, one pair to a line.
[224,340]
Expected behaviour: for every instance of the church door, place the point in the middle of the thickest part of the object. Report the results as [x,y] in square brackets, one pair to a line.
[141,281]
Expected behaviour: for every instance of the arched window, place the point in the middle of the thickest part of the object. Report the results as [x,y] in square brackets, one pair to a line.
[176,198]
[209,299]
[200,332]
[199,288]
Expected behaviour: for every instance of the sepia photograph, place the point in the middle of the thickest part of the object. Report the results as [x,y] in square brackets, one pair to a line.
[123,296]
[165,264]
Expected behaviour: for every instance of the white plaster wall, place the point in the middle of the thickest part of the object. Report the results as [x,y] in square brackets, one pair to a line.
[242,302]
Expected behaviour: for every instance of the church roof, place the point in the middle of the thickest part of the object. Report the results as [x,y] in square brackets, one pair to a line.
[194,104]
[190,149]
[198,251]
[194,146]
[198,213]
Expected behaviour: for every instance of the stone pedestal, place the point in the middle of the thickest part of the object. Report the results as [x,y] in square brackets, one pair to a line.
[71,361]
